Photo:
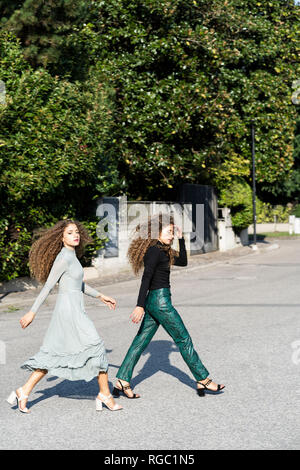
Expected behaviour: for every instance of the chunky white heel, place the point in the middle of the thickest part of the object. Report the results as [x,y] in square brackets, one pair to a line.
[105,399]
[99,406]
[14,397]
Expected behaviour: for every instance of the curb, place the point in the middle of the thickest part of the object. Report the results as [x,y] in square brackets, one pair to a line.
[274,246]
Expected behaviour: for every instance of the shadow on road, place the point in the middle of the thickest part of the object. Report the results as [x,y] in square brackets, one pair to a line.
[158,360]
[76,390]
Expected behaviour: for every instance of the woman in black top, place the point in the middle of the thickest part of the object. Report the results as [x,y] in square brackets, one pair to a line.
[154,302]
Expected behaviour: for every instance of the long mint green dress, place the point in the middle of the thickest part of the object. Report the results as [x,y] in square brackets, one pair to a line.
[72,348]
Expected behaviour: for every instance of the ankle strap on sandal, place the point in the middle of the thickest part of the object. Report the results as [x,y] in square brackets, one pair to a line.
[204,385]
[124,387]
[22,395]
[104,397]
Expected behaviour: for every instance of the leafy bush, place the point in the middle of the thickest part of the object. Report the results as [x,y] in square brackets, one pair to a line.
[296,210]
[189,77]
[55,158]
[14,248]
[139,96]
[91,251]
[239,199]
[266,213]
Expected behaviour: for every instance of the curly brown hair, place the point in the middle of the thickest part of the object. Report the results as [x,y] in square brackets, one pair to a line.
[49,243]
[143,239]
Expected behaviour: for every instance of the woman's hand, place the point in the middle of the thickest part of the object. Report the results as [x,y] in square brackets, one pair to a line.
[27,319]
[137,314]
[179,231]
[111,303]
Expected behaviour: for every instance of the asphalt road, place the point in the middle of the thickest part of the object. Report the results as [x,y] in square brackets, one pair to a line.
[243,316]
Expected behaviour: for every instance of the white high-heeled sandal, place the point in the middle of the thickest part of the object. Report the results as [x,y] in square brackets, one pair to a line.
[105,399]
[14,397]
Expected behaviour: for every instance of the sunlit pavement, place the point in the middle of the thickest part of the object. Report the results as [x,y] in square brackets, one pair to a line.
[243,316]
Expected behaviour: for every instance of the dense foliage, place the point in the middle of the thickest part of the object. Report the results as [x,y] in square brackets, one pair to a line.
[142,95]
[43,27]
[55,156]
[191,76]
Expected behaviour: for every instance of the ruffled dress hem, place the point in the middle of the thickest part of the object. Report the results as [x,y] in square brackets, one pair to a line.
[84,365]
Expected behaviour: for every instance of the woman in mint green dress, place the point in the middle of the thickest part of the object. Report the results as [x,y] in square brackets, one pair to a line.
[72,348]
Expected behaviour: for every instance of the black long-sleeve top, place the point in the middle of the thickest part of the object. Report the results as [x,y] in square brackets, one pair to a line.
[157,269]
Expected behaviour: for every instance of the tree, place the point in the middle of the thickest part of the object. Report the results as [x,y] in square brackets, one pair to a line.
[290,190]
[189,77]
[54,151]
[140,95]
[239,198]
[42,27]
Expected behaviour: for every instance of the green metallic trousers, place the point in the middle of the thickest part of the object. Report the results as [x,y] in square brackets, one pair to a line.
[160,311]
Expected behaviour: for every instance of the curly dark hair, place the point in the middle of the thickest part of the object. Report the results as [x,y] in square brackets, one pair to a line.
[49,243]
[143,238]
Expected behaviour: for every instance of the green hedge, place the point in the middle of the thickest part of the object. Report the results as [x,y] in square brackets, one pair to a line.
[266,213]
[138,96]
[55,158]
[239,199]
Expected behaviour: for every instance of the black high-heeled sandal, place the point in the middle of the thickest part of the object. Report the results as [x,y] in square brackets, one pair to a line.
[116,391]
[201,391]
